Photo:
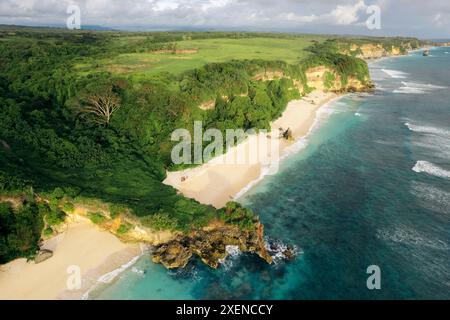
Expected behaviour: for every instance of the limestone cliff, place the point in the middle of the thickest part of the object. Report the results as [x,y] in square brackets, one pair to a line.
[325,79]
[375,51]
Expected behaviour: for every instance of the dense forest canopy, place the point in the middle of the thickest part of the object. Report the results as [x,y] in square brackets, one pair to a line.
[106,135]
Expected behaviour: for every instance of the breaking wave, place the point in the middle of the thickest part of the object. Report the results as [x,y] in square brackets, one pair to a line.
[395,73]
[431,169]
[416,88]
[428,129]
[410,236]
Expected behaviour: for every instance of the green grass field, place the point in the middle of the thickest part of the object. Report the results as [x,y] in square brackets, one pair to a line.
[196,53]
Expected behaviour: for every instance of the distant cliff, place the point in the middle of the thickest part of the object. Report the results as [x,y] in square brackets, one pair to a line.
[377,50]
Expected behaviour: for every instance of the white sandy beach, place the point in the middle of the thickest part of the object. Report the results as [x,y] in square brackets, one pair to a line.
[94,251]
[217,183]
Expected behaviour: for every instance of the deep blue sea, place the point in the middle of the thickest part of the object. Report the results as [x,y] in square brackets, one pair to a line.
[372,187]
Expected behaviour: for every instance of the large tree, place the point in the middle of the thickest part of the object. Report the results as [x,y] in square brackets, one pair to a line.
[99,107]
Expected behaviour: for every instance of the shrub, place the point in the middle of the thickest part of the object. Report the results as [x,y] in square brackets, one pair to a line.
[159,221]
[97,218]
[124,228]
[68,207]
[47,232]
[115,210]
[55,217]
[235,214]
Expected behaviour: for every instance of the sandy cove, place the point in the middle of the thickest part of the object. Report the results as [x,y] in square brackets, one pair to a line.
[218,182]
[96,252]
[99,254]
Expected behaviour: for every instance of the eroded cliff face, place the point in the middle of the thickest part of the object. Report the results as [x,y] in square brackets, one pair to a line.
[375,51]
[325,79]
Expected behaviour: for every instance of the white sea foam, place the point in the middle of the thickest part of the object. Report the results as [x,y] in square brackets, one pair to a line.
[395,73]
[277,250]
[358,114]
[409,236]
[428,129]
[416,88]
[232,253]
[431,169]
[434,198]
[110,276]
[137,271]
[427,86]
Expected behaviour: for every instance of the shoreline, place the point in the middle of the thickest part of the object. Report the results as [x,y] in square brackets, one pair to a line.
[74,255]
[211,183]
[215,183]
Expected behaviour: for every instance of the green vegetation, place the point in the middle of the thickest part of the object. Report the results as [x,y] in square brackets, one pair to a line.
[160,221]
[54,140]
[116,209]
[54,217]
[124,228]
[97,218]
[236,214]
[20,231]
[192,54]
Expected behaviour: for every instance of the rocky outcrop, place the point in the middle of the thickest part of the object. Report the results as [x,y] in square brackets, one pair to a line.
[210,245]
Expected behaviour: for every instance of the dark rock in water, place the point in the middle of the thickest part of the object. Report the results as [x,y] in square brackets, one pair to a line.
[426,53]
[289,253]
[43,255]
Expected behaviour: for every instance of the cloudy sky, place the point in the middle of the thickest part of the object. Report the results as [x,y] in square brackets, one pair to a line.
[420,18]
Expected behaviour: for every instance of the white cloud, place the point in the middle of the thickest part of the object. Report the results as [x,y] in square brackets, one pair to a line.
[341,15]
[322,16]
[346,15]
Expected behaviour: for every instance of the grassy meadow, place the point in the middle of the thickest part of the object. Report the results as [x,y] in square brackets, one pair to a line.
[192,54]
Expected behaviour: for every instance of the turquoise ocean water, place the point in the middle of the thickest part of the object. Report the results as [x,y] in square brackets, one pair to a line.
[372,187]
